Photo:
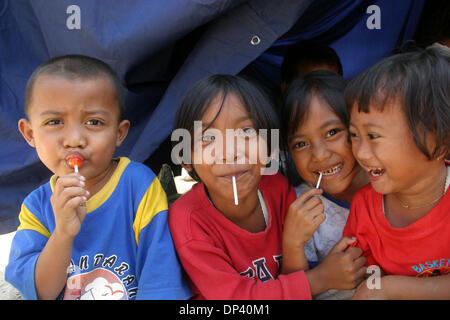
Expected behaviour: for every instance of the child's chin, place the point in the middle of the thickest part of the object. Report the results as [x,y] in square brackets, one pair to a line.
[380,188]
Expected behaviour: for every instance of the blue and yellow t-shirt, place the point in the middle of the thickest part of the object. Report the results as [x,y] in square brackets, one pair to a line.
[124,249]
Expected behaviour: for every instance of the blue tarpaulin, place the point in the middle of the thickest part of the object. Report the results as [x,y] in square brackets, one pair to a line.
[161,48]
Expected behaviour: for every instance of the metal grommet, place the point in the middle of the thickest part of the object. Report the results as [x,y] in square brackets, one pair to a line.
[255,40]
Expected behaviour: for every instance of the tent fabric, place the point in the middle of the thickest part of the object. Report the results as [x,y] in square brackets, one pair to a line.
[142,43]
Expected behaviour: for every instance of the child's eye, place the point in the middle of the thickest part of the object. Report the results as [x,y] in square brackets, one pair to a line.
[208,138]
[332,132]
[94,122]
[373,136]
[53,122]
[300,145]
[353,135]
[247,131]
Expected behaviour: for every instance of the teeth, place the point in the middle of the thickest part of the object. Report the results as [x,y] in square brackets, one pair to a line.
[376,172]
[331,171]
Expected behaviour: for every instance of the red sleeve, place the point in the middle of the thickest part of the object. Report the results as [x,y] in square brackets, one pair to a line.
[357,220]
[216,279]
[350,226]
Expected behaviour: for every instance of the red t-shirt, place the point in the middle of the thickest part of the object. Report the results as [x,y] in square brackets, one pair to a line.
[224,261]
[420,249]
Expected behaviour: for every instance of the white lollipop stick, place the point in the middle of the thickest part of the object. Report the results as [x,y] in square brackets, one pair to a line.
[318,181]
[75,167]
[236,202]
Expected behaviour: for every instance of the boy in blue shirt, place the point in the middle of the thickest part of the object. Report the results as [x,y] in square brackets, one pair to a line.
[101,232]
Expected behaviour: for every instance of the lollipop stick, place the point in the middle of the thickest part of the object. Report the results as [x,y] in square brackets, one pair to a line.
[318,181]
[75,167]
[236,202]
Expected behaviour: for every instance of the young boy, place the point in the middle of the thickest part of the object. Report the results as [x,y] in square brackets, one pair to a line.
[102,232]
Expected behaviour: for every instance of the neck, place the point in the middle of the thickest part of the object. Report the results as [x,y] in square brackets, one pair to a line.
[425,193]
[247,214]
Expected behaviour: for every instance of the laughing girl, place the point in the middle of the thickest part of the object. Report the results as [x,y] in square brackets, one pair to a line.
[315,129]
[243,249]
[400,132]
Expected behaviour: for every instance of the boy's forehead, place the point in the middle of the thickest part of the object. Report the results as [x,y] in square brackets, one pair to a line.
[57,92]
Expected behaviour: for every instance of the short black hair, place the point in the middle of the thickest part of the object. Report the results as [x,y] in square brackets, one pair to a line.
[420,81]
[308,52]
[75,66]
[196,101]
[326,85]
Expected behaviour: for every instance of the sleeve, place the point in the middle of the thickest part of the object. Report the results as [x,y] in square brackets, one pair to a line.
[28,242]
[350,225]
[211,271]
[158,268]
[355,221]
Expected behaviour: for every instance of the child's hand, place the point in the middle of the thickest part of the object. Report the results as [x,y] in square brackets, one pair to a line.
[343,269]
[68,202]
[303,218]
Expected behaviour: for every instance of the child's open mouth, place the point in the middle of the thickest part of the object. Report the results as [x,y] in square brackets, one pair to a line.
[377,172]
[331,171]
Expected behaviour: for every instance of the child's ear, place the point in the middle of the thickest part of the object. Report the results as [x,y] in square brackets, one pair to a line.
[25,129]
[122,131]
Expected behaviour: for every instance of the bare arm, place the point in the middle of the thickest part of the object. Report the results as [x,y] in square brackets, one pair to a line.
[407,287]
[293,260]
[51,267]
[303,218]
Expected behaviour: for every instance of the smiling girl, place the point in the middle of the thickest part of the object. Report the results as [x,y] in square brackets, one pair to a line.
[400,132]
[316,132]
[242,251]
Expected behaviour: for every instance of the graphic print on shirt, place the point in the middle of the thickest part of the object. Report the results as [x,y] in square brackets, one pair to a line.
[433,268]
[260,269]
[102,283]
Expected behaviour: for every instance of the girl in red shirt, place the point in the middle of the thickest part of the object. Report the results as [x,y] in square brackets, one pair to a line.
[240,240]
[400,132]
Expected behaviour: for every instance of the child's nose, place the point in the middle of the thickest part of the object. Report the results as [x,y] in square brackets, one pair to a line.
[320,152]
[233,149]
[74,137]
[361,150]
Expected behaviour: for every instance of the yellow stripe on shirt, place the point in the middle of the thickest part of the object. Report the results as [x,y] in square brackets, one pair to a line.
[28,221]
[153,201]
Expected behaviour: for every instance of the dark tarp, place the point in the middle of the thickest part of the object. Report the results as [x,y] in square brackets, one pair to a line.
[160,48]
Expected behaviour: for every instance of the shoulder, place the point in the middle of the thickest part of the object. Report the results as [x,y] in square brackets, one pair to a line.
[136,171]
[277,192]
[191,201]
[189,214]
[137,177]
[275,184]
[38,198]
[139,184]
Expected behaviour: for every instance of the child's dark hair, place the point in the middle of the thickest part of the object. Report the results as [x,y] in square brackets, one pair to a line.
[76,66]
[324,84]
[307,52]
[420,81]
[199,97]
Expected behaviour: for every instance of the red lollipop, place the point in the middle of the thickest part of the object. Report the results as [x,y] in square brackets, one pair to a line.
[75,162]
